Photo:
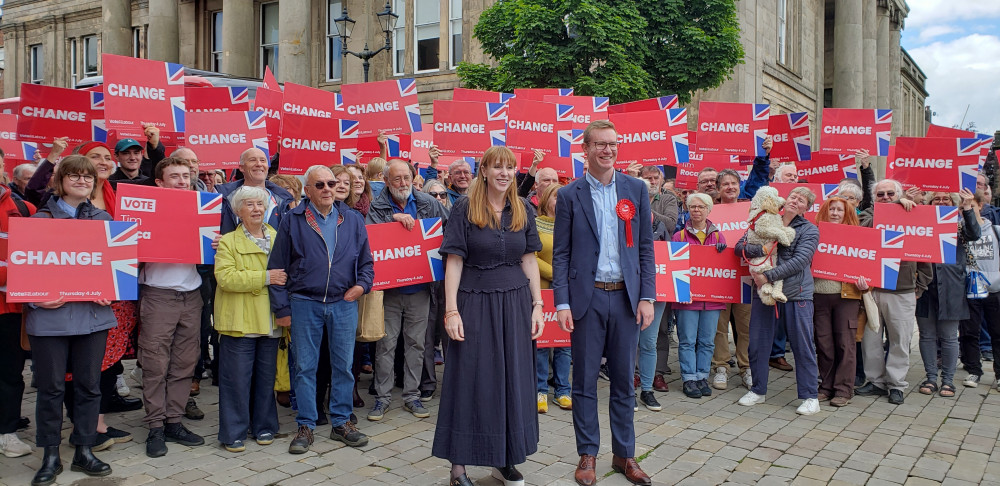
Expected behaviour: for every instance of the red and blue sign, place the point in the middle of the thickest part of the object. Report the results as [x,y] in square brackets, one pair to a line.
[929,233]
[231,98]
[847,130]
[732,128]
[175,225]
[468,128]
[661,103]
[406,257]
[673,271]
[46,112]
[657,137]
[790,137]
[142,91]
[219,138]
[389,106]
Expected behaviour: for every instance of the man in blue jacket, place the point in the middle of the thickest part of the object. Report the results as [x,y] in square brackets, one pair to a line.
[322,232]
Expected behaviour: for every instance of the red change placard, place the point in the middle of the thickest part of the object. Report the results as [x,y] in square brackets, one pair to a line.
[657,137]
[732,128]
[583,109]
[142,91]
[73,259]
[661,103]
[420,144]
[826,168]
[398,147]
[790,137]
[175,225]
[935,164]
[390,106]
[552,335]
[718,277]
[231,98]
[312,102]
[8,133]
[269,102]
[219,138]
[930,233]
[673,271]
[847,252]
[468,128]
[466,94]
[731,219]
[406,257]
[847,130]
[307,141]
[47,112]
[533,125]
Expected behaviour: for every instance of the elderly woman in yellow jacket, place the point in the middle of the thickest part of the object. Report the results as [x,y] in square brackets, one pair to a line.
[248,337]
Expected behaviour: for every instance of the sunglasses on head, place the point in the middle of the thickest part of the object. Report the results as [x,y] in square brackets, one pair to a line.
[330,184]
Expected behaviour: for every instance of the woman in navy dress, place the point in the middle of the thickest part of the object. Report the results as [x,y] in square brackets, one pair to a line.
[493,311]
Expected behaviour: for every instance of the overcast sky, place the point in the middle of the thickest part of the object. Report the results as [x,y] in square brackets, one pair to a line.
[957,44]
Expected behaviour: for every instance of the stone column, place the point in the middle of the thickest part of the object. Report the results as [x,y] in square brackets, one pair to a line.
[848,45]
[164,43]
[895,73]
[238,43]
[882,56]
[870,53]
[14,63]
[116,28]
[295,36]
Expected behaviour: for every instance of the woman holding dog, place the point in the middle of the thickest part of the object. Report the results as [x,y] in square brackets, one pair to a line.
[697,321]
[794,268]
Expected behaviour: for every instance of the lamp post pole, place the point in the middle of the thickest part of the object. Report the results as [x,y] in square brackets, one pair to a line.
[345,24]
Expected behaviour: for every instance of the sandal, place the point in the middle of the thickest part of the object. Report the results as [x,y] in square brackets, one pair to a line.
[948,390]
[928,387]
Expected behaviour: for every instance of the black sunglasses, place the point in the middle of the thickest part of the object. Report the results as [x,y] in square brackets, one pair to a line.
[438,194]
[330,184]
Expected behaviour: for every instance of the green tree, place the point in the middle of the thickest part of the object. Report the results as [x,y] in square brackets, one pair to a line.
[623,49]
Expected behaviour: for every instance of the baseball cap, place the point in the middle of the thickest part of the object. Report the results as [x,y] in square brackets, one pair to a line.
[126,143]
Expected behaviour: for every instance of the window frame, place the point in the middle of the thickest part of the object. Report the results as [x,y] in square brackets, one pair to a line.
[215,51]
[782,32]
[267,47]
[399,39]
[36,63]
[416,41]
[452,19]
[97,52]
[137,42]
[333,42]
[74,59]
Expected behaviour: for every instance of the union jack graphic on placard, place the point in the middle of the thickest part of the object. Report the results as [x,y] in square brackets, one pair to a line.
[98,129]
[177,109]
[406,257]
[761,112]
[884,133]
[564,113]
[829,190]
[673,271]
[947,214]
[565,91]
[676,117]
[569,142]
[498,137]
[338,102]
[667,102]
[433,228]
[851,171]
[125,272]
[601,103]
[967,175]
[892,239]
[407,86]
[413,117]
[96,100]
[29,149]
[579,159]
[209,203]
[256,120]
[348,156]
[890,273]
[969,146]
[175,73]
[496,111]
[348,129]
[239,94]
[505,97]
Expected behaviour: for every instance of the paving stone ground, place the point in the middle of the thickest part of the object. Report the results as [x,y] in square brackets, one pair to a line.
[927,440]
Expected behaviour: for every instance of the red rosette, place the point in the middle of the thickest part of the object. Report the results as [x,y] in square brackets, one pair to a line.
[626,211]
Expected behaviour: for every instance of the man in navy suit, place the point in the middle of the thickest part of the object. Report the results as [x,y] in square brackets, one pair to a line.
[604,285]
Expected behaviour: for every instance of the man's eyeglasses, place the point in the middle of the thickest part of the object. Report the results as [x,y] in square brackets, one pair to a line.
[604,145]
[77,177]
[438,194]
[885,194]
[330,184]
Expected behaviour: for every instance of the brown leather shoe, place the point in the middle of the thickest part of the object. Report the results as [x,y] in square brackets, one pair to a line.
[631,470]
[195,387]
[779,364]
[586,472]
[659,384]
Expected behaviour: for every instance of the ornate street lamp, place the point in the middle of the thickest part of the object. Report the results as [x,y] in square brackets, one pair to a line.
[387,22]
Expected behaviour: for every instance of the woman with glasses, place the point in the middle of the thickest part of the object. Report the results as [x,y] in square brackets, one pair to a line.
[436,189]
[69,335]
[697,321]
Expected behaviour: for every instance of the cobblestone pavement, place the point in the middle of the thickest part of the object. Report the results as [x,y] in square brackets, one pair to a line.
[928,440]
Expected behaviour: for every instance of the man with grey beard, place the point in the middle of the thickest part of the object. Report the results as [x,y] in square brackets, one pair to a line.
[406,308]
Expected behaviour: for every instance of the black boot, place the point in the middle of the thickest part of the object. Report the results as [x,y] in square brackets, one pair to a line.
[123,404]
[51,467]
[84,461]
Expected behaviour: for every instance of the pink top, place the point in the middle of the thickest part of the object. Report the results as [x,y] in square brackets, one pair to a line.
[687,235]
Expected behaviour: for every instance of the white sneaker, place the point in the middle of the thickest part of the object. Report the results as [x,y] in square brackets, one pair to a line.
[809,406]
[136,376]
[972,381]
[751,399]
[12,446]
[122,386]
[747,379]
[721,379]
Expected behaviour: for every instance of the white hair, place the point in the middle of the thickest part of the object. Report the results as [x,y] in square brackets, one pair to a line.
[247,193]
[895,184]
[781,170]
[458,163]
[850,188]
[700,196]
[18,170]
[314,168]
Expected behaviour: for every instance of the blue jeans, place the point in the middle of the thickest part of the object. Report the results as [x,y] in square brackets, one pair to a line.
[246,387]
[647,348]
[797,318]
[696,342]
[780,342]
[341,321]
[561,361]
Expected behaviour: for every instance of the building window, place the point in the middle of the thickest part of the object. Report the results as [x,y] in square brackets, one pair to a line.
[73,62]
[399,38]
[216,42]
[90,55]
[37,60]
[136,42]
[783,31]
[427,33]
[455,17]
[269,37]
[334,46]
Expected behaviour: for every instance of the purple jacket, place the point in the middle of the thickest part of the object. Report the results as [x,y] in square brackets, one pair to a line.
[687,235]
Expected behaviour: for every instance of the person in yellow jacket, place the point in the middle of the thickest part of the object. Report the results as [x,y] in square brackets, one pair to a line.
[560,357]
[248,336]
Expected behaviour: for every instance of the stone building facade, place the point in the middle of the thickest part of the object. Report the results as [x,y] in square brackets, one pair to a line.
[801,55]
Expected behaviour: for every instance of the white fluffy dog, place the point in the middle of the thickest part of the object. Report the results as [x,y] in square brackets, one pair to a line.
[766,226]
